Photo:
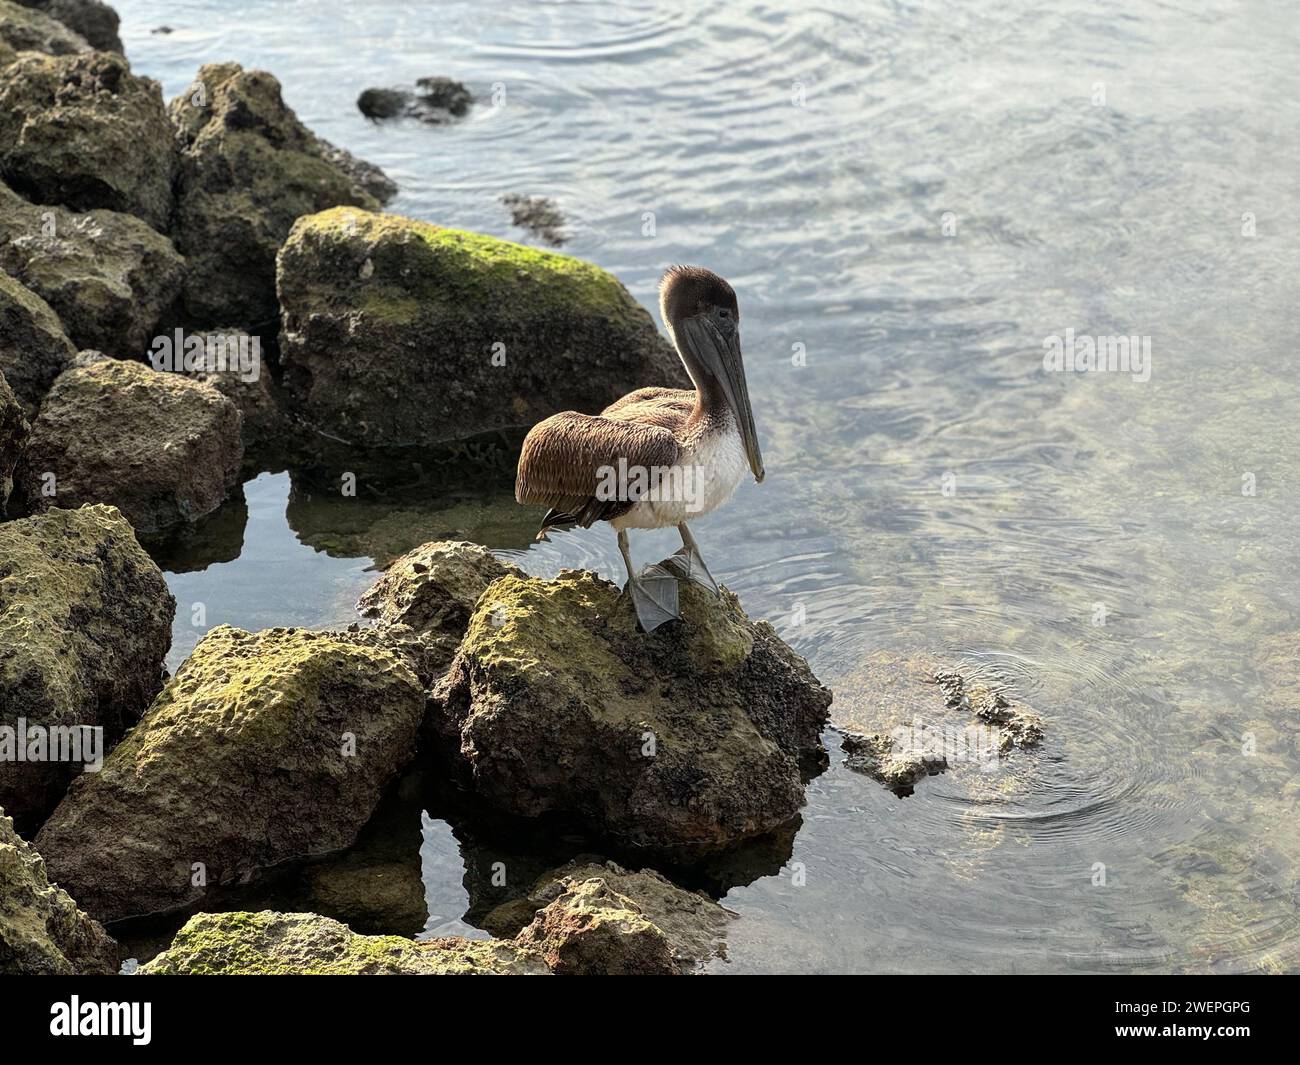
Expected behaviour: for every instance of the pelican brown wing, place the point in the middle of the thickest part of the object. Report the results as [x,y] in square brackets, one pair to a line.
[563,458]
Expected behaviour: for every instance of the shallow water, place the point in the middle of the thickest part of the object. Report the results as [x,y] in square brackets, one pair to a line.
[929,484]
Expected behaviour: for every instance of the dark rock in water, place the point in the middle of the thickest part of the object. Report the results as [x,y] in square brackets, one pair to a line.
[434,590]
[268,944]
[108,276]
[693,925]
[34,350]
[162,448]
[13,438]
[248,169]
[437,101]
[264,747]
[85,626]
[681,742]
[539,216]
[25,28]
[401,332]
[84,132]
[365,175]
[42,933]
[162,29]
[91,19]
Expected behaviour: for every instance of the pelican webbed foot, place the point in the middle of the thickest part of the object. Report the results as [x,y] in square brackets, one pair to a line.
[654,596]
[687,565]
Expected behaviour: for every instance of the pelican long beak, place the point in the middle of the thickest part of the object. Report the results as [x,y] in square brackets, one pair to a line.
[720,355]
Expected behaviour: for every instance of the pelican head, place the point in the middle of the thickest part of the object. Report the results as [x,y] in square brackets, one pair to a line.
[700,311]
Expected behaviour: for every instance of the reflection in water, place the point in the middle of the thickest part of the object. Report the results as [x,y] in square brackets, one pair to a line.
[909,200]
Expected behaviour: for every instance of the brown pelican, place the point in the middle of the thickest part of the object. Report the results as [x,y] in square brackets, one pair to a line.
[658,455]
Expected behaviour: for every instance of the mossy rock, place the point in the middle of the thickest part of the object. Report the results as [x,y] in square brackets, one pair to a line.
[303,944]
[402,332]
[25,29]
[85,626]
[248,169]
[108,276]
[13,437]
[686,740]
[162,448]
[92,20]
[264,747]
[34,350]
[84,132]
[42,933]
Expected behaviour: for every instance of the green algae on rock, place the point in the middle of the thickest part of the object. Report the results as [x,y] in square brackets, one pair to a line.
[108,276]
[34,350]
[264,747]
[84,132]
[93,20]
[686,740]
[13,437]
[42,933]
[248,169]
[162,448]
[402,332]
[26,30]
[269,944]
[85,626]
[694,926]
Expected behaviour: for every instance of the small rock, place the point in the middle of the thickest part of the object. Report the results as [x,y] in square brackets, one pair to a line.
[84,132]
[383,103]
[42,933]
[248,169]
[685,741]
[108,276]
[897,766]
[264,747]
[267,944]
[437,102]
[85,626]
[592,930]
[446,94]
[453,333]
[163,449]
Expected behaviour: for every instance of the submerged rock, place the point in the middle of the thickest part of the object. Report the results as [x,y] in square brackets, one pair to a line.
[13,437]
[163,449]
[693,925]
[539,215]
[91,19]
[34,350]
[592,930]
[686,740]
[268,944]
[24,28]
[83,131]
[263,748]
[108,276]
[434,590]
[437,101]
[401,332]
[42,933]
[85,626]
[248,169]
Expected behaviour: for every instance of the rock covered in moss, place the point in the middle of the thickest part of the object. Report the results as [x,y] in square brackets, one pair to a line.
[434,590]
[163,449]
[13,437]
[83,131]
[24,28]
[34,350]
[685,740]
[269,944]
[592,930]
[42,933]
[91,19]
[107,275]
[85,626]
[248,169]
[693,925]
[401,332]
[263,747]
